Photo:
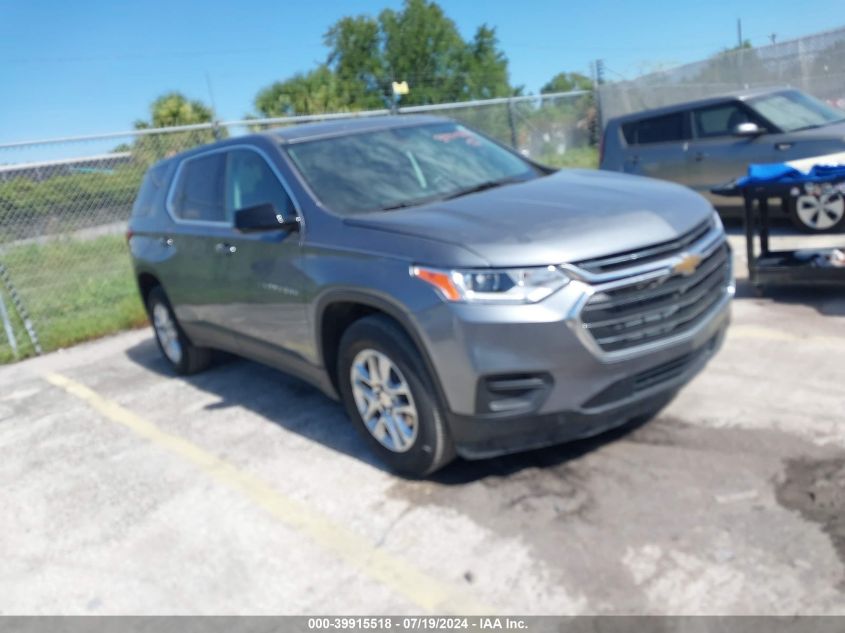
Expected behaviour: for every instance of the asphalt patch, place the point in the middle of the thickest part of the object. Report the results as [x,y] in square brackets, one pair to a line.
[816,489]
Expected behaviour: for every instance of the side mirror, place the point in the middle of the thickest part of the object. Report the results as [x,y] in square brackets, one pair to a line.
[747,129]
[263,217]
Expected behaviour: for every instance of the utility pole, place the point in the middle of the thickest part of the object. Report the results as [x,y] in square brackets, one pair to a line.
[739,33]
[215,128]
[599,71]
[596,123]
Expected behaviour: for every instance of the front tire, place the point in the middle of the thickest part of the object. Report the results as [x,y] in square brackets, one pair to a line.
[822,213]
[389,395]
[183,356]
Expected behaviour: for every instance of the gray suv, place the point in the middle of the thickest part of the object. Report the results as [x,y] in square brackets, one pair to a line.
[458,298]
[705,144]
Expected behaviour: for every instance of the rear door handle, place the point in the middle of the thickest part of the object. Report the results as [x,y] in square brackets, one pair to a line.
[223,248]
[783,146]
[700,156]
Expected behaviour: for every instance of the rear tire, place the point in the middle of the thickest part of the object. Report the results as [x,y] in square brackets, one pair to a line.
[183,356]
[389,395]
[823,213]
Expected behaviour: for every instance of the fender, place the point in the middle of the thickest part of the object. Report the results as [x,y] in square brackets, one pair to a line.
[383,303]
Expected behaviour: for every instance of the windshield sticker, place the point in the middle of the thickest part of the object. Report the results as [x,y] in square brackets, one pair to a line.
[468,137]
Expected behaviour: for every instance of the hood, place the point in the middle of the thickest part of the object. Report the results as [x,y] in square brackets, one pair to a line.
[834,131]
[568,216]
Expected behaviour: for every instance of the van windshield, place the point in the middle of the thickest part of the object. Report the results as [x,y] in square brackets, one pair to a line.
[792,111]
[404,166]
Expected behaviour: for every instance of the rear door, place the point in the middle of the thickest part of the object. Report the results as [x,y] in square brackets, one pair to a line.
[195,203]
[716,154]
[657,146]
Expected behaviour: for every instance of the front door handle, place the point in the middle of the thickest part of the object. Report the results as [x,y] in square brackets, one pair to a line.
[700,156]
[222,248]
[783,146]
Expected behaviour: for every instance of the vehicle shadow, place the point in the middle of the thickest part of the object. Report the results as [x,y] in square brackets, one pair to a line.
[826,301]
[298,407]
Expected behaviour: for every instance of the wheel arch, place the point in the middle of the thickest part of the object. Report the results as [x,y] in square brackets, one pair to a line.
[336,311]
[146,282]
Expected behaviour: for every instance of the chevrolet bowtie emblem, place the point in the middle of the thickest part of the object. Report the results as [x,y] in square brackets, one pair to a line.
[687,265]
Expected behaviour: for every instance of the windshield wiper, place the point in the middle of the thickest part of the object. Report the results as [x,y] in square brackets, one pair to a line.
[484,186]
[411,203]
[489,184]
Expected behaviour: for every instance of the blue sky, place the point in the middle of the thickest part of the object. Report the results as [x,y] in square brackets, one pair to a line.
[91,66]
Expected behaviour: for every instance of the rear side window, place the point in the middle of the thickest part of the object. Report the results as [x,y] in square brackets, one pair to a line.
[662,129]
[151,187]
[198,194]
[720,120]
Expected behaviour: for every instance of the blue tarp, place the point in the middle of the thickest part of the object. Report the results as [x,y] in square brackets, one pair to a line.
[784,173]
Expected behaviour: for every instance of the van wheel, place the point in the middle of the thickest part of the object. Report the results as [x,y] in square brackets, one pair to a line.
[821,213]
[182,355]
[389,394]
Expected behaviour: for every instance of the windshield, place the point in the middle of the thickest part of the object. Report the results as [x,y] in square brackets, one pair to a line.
[792,111]
[404,166]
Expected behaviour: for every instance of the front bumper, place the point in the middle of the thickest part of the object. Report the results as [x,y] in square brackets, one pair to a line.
[522,376]
[486,435]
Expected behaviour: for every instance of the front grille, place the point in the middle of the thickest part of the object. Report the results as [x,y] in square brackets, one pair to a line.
[640,313]
[648,254]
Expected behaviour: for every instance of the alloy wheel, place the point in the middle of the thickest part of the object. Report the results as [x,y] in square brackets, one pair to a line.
[384,400]
[167,334]
[822,212]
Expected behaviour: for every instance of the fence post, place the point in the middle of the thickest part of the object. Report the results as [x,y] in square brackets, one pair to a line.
[7,325]
[511,122]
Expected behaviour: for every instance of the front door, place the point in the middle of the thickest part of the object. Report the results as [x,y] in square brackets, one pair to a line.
[716,155]
[259,273]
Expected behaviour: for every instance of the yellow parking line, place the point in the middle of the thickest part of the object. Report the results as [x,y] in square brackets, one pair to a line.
[396,574]
[772,334]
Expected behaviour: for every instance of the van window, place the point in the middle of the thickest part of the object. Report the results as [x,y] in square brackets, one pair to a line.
[250,181]
[661,129]
[198,195]
[720,120]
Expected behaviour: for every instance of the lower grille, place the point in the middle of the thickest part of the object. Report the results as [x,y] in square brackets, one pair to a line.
[650,378]
[648,311]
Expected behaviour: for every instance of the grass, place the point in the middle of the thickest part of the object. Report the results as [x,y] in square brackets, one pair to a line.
[583,157]
[74,290]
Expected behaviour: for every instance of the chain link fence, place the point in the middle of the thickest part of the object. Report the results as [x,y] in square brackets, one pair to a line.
[814,64]
[65,274]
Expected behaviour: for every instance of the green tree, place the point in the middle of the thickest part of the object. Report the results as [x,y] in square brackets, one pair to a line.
[417,43]
[355,56]
[486,67]
[566,82]
[313,92]
[423,47]
[170,110]
[174,108]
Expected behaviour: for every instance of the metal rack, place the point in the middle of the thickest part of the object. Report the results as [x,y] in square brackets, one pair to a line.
[767,267]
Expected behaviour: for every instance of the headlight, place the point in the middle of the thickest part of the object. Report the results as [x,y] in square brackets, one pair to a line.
[500,285]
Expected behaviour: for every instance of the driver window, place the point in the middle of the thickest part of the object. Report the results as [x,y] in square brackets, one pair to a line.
[721,120]
[250,181]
